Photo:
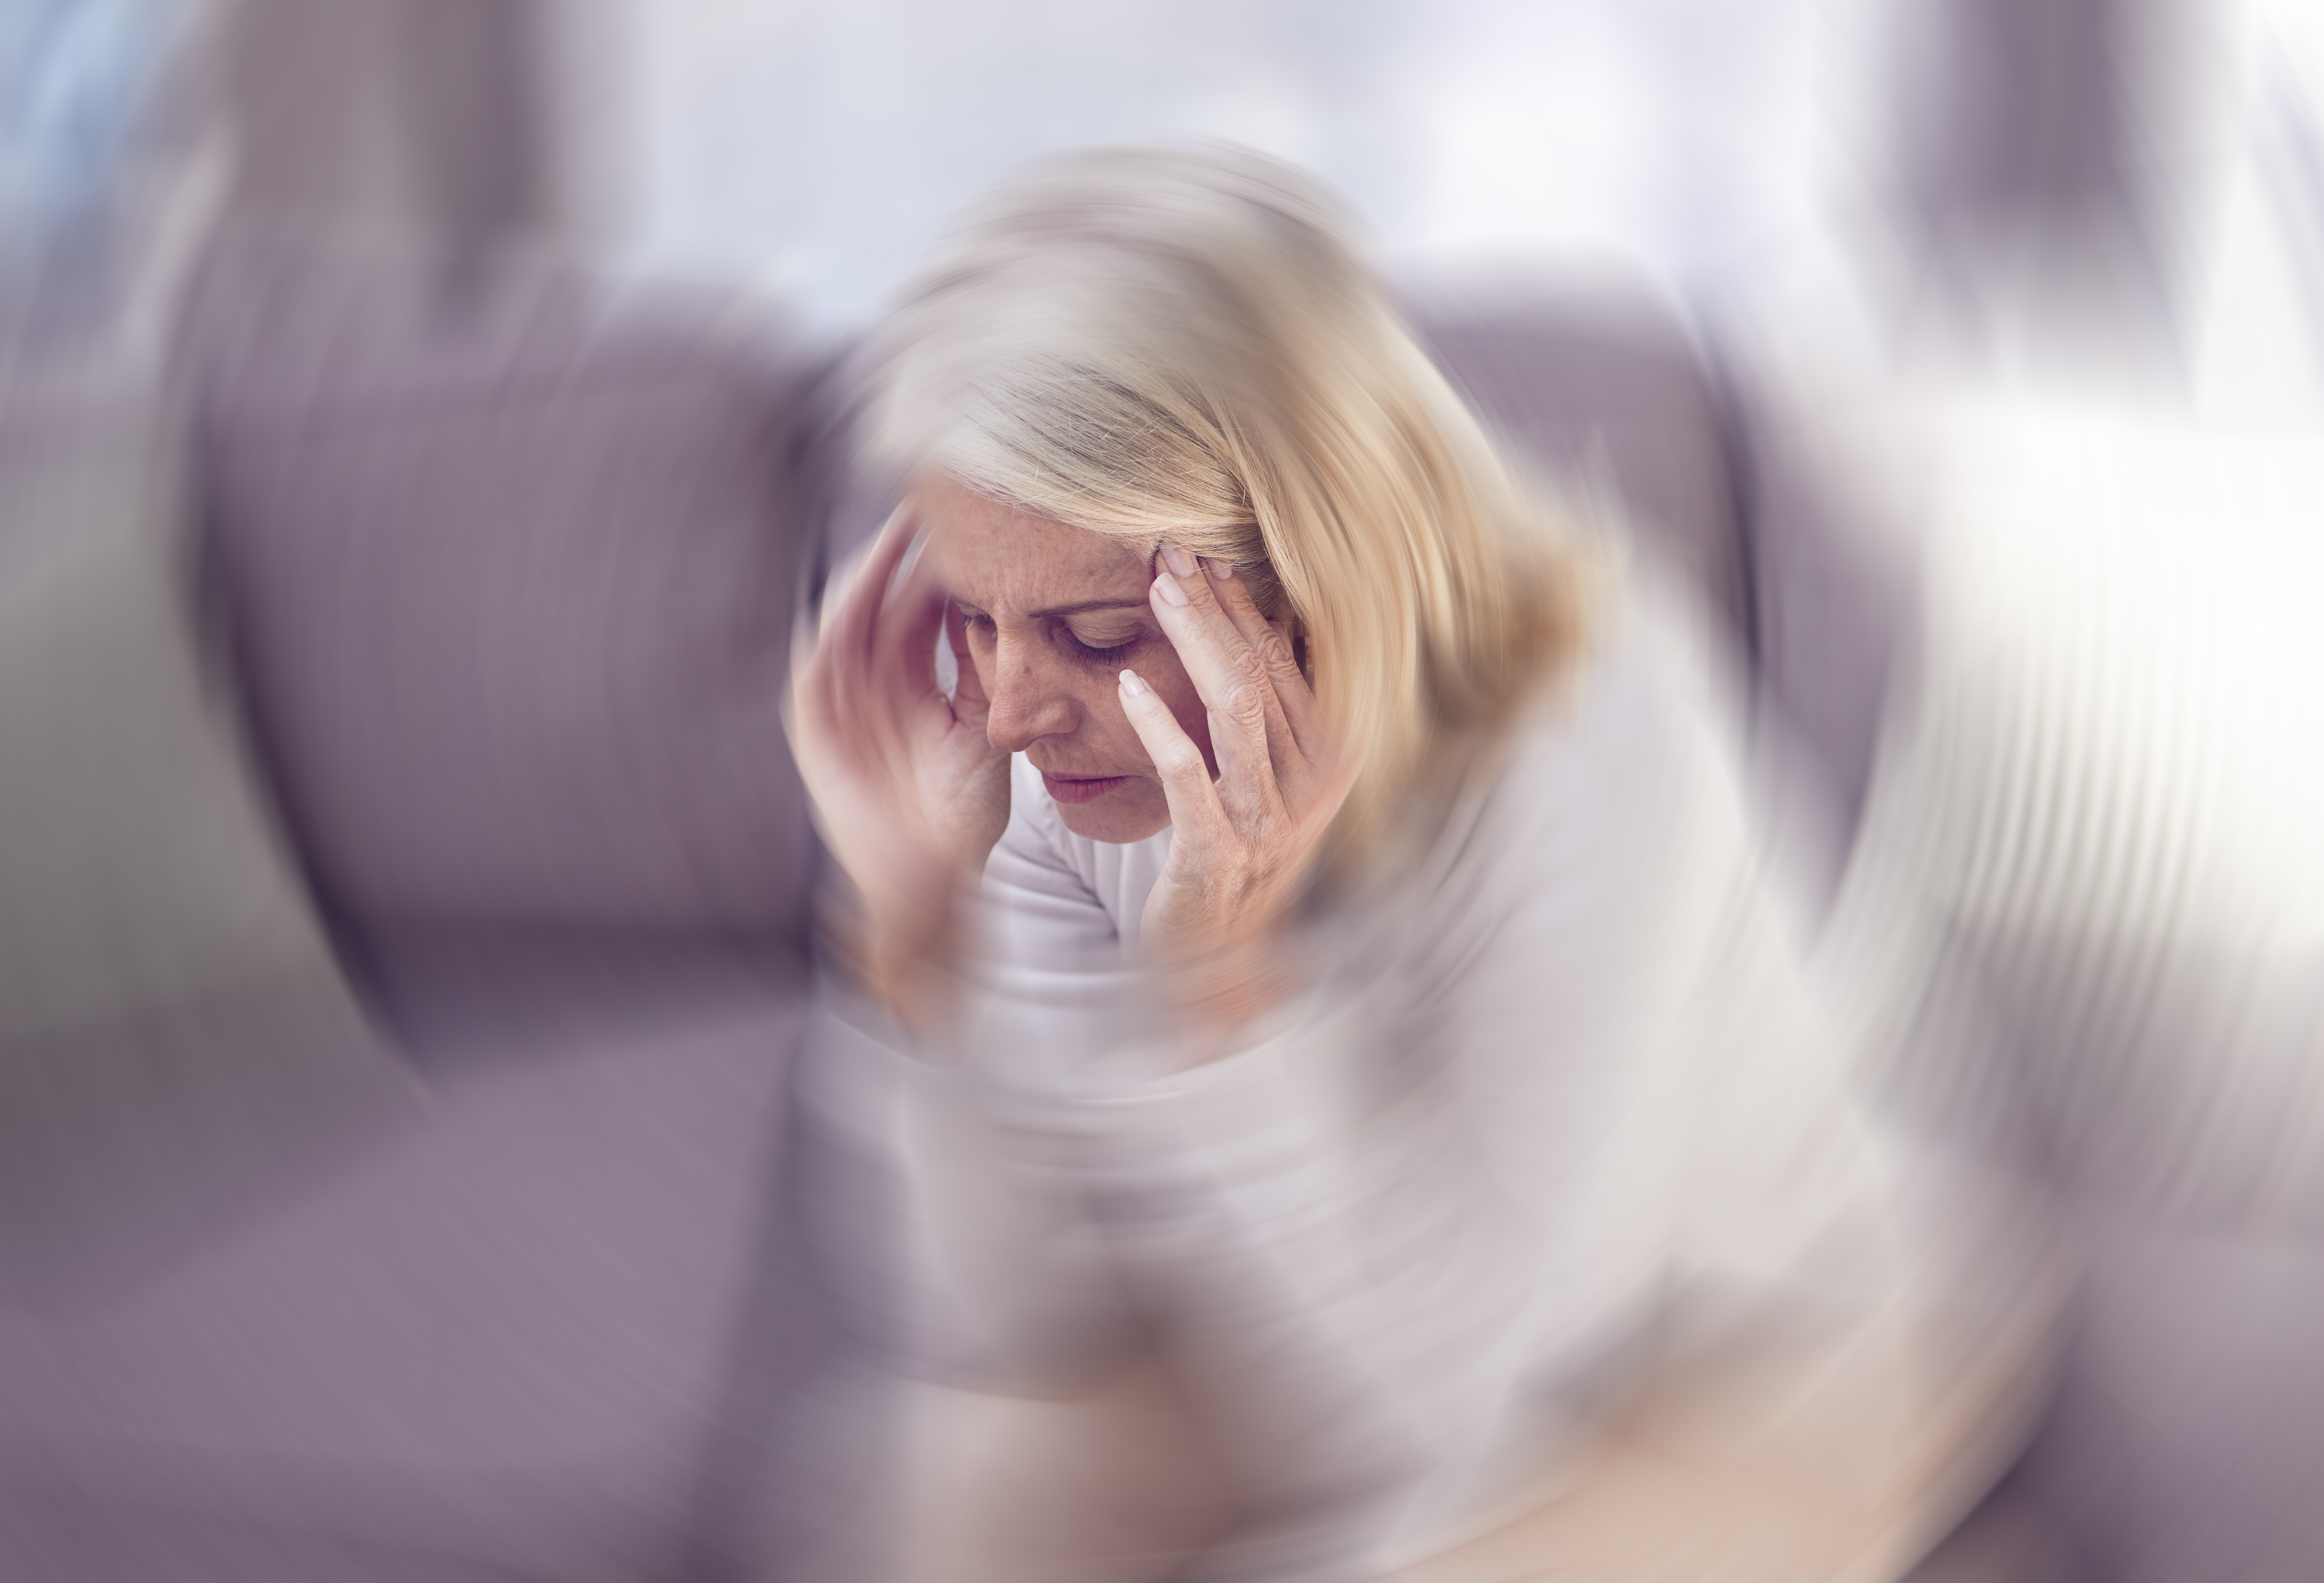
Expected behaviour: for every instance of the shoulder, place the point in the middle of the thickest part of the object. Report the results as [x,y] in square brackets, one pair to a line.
[1633,761]
[1592,894]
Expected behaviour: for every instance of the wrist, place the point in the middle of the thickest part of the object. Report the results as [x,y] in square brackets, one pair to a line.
[911,958]
[898,942]
[1221,991]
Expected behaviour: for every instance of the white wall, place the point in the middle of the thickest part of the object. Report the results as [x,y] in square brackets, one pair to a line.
[814,147]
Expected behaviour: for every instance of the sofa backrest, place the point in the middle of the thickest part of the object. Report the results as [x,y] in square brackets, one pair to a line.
[1602,391]
[509,569]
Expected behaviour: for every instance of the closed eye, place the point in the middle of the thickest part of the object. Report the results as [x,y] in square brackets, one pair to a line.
[1098,655]
[982,629]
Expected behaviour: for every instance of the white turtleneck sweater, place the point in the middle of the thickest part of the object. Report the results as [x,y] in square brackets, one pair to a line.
[1564,1085]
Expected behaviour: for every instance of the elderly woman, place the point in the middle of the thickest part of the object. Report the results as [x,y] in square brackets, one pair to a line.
[1313,988]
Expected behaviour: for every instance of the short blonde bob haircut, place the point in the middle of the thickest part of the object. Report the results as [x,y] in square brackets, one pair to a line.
[1176,344]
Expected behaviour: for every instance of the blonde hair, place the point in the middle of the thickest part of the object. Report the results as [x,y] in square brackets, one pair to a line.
[1176,344]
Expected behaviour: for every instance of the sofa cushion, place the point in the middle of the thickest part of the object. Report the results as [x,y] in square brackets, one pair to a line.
[553,1332]
[512,568]
[176,1045]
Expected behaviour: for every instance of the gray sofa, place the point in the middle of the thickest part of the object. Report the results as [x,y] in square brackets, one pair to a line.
[489,579]
[498,577]
[495,574]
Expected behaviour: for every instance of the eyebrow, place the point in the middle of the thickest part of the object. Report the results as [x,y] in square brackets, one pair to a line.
[1084,608]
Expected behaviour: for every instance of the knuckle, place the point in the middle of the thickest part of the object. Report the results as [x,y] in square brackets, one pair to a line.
[1273,652]
[1248,663]
[1179,761]
[1245,706]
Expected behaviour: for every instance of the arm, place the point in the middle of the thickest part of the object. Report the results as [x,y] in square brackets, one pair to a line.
[988,1274]
[1588,1091]
[1368,1222]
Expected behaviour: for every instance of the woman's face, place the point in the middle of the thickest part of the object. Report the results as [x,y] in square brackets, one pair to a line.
[1054,615]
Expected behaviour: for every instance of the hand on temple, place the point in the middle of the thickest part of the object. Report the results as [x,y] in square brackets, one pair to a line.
[910,794]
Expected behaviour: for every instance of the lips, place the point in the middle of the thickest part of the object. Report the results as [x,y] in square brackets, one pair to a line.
[1081,788]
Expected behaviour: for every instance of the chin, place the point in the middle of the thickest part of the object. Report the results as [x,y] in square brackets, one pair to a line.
[1119,819]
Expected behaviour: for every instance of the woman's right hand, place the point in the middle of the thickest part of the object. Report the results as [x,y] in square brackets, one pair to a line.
[909,793]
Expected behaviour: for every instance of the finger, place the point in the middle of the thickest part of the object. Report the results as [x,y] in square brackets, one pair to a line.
[804,712]
[856,591]
[905,646]
[824,753]
[968,699]
[1196,814]
[812,712]
[1230,677]
[1272,641]
[848,645]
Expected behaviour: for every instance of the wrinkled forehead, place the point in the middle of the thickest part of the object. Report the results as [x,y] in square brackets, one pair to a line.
[1005,560]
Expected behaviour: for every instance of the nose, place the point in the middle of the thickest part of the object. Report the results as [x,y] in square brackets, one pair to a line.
[1029,698]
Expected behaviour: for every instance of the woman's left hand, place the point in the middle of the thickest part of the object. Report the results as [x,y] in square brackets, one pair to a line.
[1242,845]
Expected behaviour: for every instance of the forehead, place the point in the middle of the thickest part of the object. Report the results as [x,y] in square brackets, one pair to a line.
[1001,559]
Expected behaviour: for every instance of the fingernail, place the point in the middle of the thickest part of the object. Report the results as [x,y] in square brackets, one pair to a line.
[1168,587]
[1179,560]
[1222,570]
[1134,685]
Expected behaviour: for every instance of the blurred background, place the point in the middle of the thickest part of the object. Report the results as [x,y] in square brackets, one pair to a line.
[420,421]
[812,151]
